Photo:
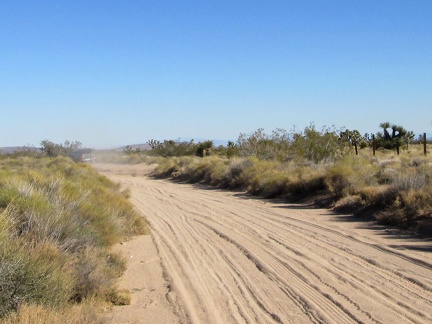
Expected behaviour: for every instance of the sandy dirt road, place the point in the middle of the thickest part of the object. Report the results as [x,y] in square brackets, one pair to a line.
[229,258]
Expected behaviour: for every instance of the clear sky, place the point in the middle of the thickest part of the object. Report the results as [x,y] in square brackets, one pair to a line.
[110,73]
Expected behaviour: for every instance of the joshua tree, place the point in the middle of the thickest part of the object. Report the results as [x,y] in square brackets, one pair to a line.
[352,137]
[391,140]
[204,148]
[408,137]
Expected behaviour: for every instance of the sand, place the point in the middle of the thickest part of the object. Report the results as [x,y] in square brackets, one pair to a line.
[216,256]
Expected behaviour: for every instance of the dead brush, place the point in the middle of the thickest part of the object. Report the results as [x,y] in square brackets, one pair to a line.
[237,166]
[83,313]
[411,181]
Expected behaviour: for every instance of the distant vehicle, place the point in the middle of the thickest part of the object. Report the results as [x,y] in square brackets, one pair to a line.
[83,155]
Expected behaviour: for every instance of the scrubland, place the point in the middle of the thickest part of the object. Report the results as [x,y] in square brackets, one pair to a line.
[384,176]
[58,219]
[57,222]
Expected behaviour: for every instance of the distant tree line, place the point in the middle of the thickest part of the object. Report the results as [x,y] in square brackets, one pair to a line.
[169,148]
[312,144]
[47,148]
[52,149]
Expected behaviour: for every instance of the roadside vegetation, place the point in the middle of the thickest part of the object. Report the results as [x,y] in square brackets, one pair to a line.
[385,176]
[58,218]
[57,221]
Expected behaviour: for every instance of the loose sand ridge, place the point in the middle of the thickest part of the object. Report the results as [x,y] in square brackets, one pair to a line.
[222,257]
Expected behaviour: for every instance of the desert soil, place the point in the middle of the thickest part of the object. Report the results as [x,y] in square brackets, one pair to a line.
[216,256]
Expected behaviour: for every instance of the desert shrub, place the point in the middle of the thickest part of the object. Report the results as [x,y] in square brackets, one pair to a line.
[349,204]
[33,275]
[409,205]
[220,173]
[71,206]
[375,196]
[417,161]
[317,146]
[190,169]
[349,175]
[408,194]
[307,179]
[57,220]
[274,184]
[254,176]
[385,175]
[414,205]
[236,168]
[195,170]
[95,273]
[264,146]
[212,170]
[410,181]
[166,168]
[338,180]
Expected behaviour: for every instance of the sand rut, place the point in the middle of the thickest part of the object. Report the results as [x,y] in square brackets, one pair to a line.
[232,259]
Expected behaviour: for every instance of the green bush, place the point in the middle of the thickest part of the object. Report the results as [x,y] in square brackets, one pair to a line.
[33,275]
[57,221]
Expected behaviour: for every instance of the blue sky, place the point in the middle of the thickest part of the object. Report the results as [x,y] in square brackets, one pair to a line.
[110,73]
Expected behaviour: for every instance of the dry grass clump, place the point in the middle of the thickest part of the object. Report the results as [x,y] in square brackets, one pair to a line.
[267,178]
[84,313]
[167,167]
[346,176]
[119,297]
[261,177]
[375,196]
[408,208]
[309,179]
[349,203]
[397,188]
[57,221]
[411,199]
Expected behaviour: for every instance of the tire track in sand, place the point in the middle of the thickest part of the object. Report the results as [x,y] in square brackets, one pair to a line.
[235,260]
